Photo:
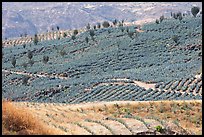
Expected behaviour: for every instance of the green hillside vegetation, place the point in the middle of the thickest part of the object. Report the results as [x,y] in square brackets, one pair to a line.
[166,51]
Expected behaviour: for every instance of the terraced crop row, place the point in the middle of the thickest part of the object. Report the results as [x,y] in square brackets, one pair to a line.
[190,85]
[130,92]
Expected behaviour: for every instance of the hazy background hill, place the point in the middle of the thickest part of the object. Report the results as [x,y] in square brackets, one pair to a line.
[37,17]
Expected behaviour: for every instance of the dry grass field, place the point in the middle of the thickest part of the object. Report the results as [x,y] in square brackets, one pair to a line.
[103,118]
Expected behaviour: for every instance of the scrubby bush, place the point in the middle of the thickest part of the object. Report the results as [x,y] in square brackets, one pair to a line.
[106,24]
[24,45]
[195,11]
[75,32]
[73,37]
[87,39]
[35,39]
[62,53]
[91,32]
[99,25]
[161,18]
[157,21]
[13,62]
[159,128]
[45,59]
[122,28]
[64,34]
[58,28]
[88,27]
[25,80]
[94,26]
[175,38]
[30,54]
[115,22]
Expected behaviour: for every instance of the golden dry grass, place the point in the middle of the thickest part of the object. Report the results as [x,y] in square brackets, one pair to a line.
[188,114]
[18,121]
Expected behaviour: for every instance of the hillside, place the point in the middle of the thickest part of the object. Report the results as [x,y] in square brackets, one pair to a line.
[112,80]
[149,57]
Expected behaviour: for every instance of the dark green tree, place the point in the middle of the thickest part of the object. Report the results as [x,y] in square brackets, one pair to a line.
[91,32]
[64,34]
[88,27]
[94,26]
[175,38]
[25,80]
[58,28]
[73,37]
[99,25]
[115,22]
[161,18]
[45,59]
[24,45]
[106,24]
[75,32]
[35,39]
[13,62]
[63,53]
[195,11]
[157,21]
[180,18]
[87,39]
[122,28]
[30,54]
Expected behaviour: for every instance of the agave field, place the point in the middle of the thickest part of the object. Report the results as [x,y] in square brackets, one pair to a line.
[76,68]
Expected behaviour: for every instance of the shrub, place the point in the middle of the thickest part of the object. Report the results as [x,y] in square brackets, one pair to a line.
[58,28]
[73,37]
[87,39]
[13,62]
[105,24]
[91,32]
[115,22]
[24,45]
[30,54]
[161,18]
[62,53]
[159,129]
[175,16]
[35,39]
[175,38]
[64,34]
[75,32]
[180,17]
[122,28]
[88,27]
[157,21]
[195,11]
[45,59]
[94,26]
[99,25]
[25,80]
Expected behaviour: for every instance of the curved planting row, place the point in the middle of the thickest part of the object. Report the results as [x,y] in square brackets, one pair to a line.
[189,85]
[130,92]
